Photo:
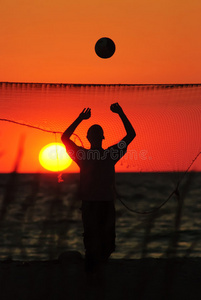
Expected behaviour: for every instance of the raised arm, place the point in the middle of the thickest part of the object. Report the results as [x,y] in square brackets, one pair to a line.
[85,114]
[116,108]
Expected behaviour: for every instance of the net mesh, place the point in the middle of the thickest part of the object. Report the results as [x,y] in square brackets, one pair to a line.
[166,119]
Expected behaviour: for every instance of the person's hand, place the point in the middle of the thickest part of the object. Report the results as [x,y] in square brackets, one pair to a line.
[85,114]
[116,108]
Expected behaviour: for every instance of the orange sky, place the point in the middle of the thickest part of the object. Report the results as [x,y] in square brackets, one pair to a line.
[167,122]
[53,41]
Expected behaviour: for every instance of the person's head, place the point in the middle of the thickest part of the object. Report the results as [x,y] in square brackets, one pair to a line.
[95,134]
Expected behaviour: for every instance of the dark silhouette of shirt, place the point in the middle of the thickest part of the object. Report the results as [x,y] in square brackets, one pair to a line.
[97,170]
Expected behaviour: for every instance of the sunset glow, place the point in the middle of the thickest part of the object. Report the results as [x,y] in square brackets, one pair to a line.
[53,157]
[49,72]
[166,120]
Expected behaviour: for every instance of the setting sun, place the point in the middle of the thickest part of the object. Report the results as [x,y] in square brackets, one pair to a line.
[53,157]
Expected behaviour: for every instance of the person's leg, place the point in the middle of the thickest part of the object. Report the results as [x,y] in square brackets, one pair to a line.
[92,241]
[108,230]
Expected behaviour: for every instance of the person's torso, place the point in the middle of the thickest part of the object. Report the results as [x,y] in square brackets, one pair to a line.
[97,176]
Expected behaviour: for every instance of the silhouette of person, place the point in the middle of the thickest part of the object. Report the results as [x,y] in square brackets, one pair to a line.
[97,185]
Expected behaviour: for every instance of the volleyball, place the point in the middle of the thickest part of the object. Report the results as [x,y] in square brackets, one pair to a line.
[105,47]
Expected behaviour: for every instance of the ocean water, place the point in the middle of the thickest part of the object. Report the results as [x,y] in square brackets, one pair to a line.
[41,218]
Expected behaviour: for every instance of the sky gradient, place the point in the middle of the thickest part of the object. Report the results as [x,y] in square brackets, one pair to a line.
[156,41]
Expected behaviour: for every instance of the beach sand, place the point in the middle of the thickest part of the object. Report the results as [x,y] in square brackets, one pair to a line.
[65,278]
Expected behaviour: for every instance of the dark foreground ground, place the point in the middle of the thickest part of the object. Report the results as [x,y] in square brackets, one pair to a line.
[65,278]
